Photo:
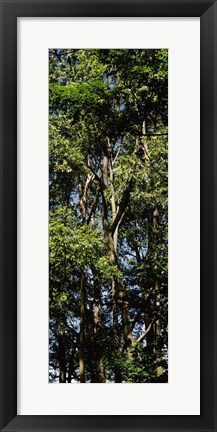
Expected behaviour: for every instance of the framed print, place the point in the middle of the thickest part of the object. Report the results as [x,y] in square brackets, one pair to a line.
[105,130]
[180,50]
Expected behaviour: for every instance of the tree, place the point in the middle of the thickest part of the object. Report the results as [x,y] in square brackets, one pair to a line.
[108,215]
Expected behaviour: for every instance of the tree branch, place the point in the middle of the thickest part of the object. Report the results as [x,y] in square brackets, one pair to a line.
[117,154]
[122,207]
[140,339]
[93,207]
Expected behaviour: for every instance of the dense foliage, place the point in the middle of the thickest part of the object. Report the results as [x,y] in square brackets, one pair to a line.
[108,215]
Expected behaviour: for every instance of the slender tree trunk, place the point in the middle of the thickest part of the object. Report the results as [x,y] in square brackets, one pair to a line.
[61,355]
[82,192]
[159,369]
[69,373]
[150,337]
[114,294]
[82,328]
[97,335]
[119,293]
[116,333]
[114,209]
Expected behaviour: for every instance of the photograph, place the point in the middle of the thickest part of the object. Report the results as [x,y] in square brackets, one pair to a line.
[108,215]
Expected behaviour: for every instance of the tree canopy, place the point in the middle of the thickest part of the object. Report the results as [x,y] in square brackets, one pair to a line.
[108,220]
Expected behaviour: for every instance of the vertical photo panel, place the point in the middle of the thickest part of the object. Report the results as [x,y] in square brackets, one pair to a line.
[108,216]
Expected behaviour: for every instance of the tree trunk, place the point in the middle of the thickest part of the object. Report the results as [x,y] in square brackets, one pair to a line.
[114,296]
[159,369]
[110,237]
[61,355]
[82,328]
[119,292]
[100,375]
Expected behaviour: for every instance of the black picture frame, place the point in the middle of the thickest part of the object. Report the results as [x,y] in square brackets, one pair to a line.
[10,11]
